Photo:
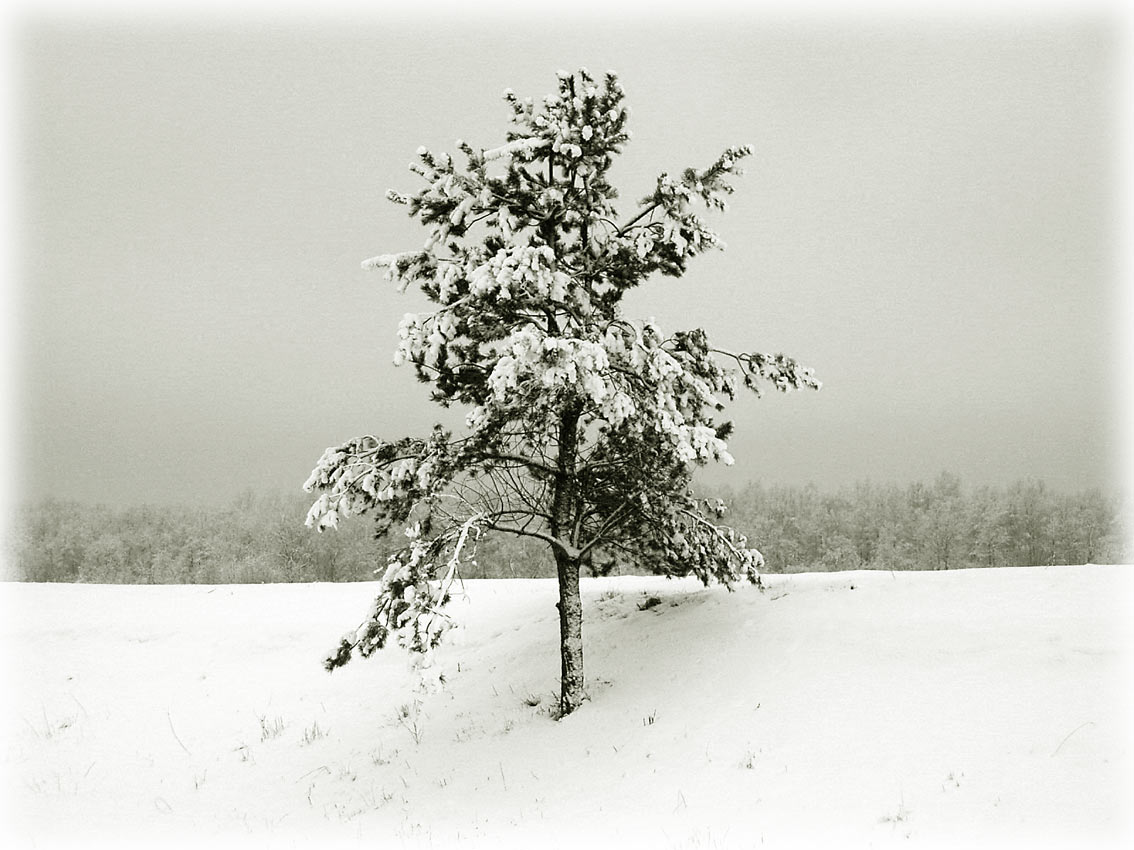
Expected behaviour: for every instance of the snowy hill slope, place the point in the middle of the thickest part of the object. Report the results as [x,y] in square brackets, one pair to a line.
[970,708]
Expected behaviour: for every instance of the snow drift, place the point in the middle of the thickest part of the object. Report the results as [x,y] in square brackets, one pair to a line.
[969,708]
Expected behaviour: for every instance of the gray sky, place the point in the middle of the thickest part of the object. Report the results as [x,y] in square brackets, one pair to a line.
[930,220]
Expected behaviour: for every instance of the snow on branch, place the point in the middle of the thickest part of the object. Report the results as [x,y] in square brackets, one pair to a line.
[412,595]
[526,146]
[367,474]
[404,267]
[781,371]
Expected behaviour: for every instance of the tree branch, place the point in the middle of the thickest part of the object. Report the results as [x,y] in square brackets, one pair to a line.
[566,548]
[530,463]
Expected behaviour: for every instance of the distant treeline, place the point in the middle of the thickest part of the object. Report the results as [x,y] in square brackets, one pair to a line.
[868,526]
[939,526]
[255,539]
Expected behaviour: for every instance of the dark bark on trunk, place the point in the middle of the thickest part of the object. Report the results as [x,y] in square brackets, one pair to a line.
[570,634]
[567,565]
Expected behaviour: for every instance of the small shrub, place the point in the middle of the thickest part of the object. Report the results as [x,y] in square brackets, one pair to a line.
[379,759]
[270,729]
[313,733]
[409,718]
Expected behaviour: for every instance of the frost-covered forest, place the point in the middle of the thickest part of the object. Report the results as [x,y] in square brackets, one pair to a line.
[942,525]
[262,538]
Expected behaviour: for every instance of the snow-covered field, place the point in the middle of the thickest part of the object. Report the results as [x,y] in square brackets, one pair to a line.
[960,709]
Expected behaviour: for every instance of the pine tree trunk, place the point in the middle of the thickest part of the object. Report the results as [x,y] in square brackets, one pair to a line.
[567,565]
[570,634]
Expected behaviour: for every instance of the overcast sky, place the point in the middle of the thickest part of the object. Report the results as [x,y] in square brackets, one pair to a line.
[930,221]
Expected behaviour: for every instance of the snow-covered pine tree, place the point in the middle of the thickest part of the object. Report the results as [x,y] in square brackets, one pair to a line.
[584,426]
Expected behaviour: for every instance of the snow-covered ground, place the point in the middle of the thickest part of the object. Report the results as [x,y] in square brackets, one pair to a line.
[959,709]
